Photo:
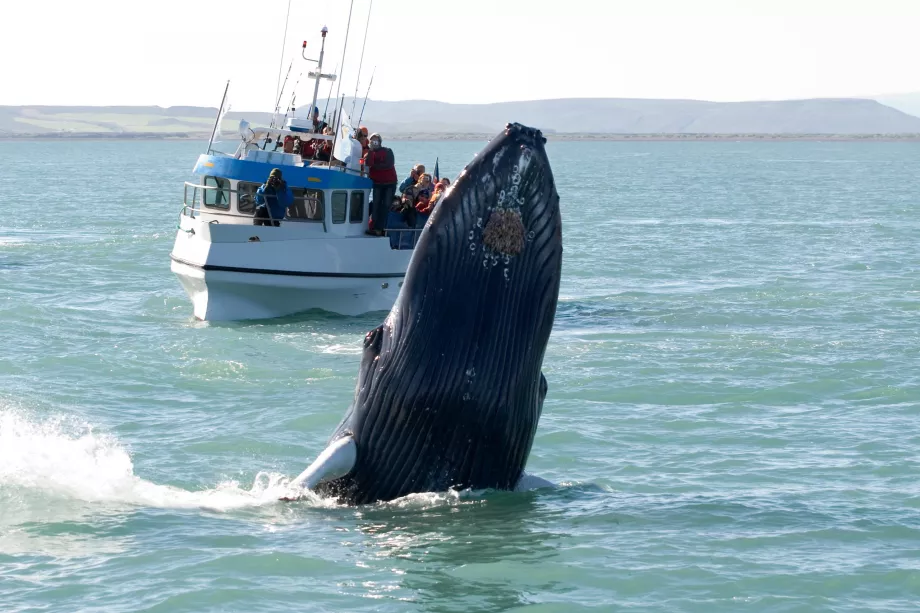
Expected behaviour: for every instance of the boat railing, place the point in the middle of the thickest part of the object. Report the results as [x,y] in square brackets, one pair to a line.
[403,238]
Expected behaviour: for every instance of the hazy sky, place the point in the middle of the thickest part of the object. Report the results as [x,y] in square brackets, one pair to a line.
[169,52]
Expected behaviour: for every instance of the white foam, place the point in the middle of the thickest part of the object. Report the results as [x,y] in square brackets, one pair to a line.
[341,349]
[65,458]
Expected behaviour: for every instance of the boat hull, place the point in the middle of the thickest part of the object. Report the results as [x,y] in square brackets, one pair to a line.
[231,295]
[236,272]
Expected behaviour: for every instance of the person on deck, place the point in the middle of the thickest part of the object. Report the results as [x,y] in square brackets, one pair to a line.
[308,148]
[318,124]
[273,198]
[324,150]
[417,171]
[362,138]
[418,195]
[439,190]
[381,168]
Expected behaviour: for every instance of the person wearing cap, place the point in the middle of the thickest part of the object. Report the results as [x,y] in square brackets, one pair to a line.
[381,168]
[273,198]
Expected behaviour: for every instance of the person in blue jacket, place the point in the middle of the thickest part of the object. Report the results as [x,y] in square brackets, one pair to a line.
[273,199]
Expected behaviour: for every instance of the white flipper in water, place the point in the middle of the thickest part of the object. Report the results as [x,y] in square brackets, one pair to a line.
[532,482]
[335,461]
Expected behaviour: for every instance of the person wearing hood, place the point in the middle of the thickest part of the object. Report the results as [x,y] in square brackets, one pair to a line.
[381,168]
[272,200]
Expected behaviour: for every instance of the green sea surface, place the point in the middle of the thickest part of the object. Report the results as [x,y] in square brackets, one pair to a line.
[731,418]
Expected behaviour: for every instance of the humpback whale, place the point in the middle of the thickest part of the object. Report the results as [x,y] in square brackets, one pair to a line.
[450,389]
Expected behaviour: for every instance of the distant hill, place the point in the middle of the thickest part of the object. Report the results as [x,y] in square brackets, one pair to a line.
[563,116]
[908,103]
[637,116]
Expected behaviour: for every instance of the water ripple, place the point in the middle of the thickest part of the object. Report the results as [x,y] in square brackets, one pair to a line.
[731,410]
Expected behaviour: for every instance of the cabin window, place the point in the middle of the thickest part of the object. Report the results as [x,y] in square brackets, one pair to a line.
[308,204]
[356,214]
[339,206]
[218,198]
[246,197]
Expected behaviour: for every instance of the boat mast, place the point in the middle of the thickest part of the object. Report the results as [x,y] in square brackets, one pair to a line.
[319,68]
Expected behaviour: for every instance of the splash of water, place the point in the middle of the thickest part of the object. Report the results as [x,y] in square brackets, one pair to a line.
[65,458]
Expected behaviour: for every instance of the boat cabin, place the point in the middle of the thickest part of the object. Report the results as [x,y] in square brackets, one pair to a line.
[331,199]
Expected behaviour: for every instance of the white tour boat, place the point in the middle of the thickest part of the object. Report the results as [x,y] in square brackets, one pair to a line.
[318,257]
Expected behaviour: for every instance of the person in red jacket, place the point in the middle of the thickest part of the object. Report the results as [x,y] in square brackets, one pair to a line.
[381,168]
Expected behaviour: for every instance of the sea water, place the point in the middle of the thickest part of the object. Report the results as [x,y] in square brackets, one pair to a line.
[731,418]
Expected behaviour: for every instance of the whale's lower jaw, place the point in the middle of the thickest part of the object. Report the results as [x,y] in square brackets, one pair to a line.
[454,454]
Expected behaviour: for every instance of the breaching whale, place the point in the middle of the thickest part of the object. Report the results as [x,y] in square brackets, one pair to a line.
[450,389]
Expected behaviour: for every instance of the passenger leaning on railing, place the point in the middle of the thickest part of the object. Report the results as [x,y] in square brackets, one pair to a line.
[273,198]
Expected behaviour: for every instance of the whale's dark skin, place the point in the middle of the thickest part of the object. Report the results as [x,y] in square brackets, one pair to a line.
[450,389]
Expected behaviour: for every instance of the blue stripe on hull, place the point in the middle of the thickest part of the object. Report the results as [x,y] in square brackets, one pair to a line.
[296,176]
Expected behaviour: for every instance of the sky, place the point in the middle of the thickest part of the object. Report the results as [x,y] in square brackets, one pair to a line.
[169,52]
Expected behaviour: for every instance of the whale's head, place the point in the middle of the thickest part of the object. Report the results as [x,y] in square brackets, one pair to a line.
[492,249]
[450,391]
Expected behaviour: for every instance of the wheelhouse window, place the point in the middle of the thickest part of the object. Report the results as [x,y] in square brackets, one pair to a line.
[218,198]
[308,204]
[339,206]
[246,197]
[356,213]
